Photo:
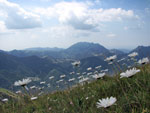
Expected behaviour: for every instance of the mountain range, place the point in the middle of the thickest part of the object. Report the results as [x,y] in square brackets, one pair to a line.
[76,51]
[46,62]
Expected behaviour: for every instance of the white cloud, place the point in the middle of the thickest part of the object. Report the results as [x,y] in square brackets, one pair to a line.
[17,17]
[81,16]
[68,31]
[111,35]
[109,15]
[2,27]
[147,10]
[4,30]
[97,1]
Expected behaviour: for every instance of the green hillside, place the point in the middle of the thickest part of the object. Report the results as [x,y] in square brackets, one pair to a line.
[8,93]
[132,94]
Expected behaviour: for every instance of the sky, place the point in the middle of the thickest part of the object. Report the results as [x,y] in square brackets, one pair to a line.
[120,24]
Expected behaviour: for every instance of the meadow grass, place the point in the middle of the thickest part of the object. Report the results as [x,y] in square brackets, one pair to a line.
[132,94]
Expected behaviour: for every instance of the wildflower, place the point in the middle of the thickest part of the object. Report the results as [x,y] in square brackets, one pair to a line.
[76,63]
[5,99]
[88,69]
[97,76]
[98,67]
[111,58]
[32,87]
[129,73]
[72,73]
[87,98]
[51,77]
[17,92]
[49,108]
[80,77]
[42,82]
[121,60]
[106,70]
[133,54]
[62,76]
[72,79]
[143,61]
[78,73]
[106,102]
[71,102]
[34,98]
[23,83]
[59,81]
[83,80]
[89,73]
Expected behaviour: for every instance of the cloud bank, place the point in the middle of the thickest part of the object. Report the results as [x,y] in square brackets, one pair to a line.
[80,16]
[18,18]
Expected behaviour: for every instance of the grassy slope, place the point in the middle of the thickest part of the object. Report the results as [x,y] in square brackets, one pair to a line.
[8,93]
[133,96]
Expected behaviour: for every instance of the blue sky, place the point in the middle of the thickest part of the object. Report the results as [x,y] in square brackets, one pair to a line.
[61,23]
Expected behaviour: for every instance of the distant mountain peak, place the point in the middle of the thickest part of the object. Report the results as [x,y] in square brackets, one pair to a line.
[141,47]
[85,49]
[143,51]
[86,45]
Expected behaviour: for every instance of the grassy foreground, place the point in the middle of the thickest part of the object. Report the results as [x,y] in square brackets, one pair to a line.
[133,96]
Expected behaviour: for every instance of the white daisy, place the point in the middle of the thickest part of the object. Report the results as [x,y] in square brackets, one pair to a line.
[121,60]
[129,73]
[83,80]
[87,98]
[106,102]
[143,61]
[133,54]
[24,82]
[80,77]
[88,69]
[5,99]
[97,76]
[76,63]
[89,73]
[98,67]
[111,58]
[32,87]
[72,79]
[34,98]
[51,77]
[62,76]
[18,92]
[78,73]
[43,82]
[72,73]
